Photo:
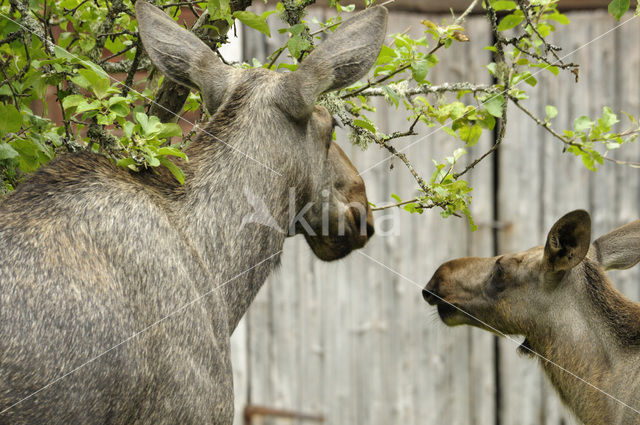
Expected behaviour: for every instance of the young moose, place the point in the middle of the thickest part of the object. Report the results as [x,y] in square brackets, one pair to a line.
[560,298]
[119,291]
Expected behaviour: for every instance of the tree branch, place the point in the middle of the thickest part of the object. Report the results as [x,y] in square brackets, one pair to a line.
[569,142]
[431,89]
[30,23]
[502,121]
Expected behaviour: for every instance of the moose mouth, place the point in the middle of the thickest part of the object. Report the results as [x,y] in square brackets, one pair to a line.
[446,311]
[335,247]
[452,315]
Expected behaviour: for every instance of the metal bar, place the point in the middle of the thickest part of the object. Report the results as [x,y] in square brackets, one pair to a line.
[252,410]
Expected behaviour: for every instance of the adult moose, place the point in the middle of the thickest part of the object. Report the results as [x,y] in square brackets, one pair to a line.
[586,333]
[119,291]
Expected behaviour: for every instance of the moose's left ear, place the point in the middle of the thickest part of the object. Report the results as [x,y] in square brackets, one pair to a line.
[343,58]
[567,242]
[181,56]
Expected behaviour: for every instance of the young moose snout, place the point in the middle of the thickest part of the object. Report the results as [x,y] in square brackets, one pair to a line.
[561,300]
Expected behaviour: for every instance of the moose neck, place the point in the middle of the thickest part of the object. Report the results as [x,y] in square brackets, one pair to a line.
[589,347]
[236,212]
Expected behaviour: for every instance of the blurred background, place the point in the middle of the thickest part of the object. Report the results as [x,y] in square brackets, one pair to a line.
[352,342]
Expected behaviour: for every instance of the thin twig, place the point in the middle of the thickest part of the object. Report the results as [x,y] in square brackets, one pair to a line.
[128,82]
[276,55]
[399,204]
[7,81]
[125,50]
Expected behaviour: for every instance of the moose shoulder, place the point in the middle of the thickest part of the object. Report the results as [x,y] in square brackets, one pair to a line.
[585,333]
[119,291]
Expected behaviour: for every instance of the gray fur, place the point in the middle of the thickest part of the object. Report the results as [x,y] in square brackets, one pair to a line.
[560,298]
[94,254]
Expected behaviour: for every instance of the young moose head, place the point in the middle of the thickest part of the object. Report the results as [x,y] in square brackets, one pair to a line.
[272,119]
[516,293]
[559,297]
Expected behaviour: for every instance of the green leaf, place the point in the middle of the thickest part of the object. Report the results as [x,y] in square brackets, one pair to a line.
[494,105]
[470,134]
[152,160]
[171,151]
[73,100]
[175,170]
[7,152]
[487,121]
[169,130]
[551,111]
[142,119]
[297,45]
[391,94]
[559,18]
[419,70]
[617,8]
[510,21]
[503,5]
[582,123]
[254,21]
[127,128]
[289,66]
[30,158]
[364,124]
[127,163]
[608,118]
[553,69]
[10,119]
[87,105]
[120,109]
[219,9]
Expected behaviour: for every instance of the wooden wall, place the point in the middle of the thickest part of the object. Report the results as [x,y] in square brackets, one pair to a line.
[354,341]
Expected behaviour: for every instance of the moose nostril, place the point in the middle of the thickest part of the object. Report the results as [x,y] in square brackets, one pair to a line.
[370,230]
[426,295]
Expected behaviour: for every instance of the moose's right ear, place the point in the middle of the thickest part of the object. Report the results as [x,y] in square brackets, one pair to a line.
[567,244]
[181,56]
[619,249]
[342,59]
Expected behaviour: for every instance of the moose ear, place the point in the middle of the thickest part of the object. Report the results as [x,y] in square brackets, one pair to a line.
[567,242]
[342,59]
[181,56]
[619,249]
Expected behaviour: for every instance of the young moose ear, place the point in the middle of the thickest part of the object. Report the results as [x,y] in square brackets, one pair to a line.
[181,56]
[342,59]
[567,242]
[619,249]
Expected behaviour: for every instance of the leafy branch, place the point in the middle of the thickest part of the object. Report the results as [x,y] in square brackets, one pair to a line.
[74,47]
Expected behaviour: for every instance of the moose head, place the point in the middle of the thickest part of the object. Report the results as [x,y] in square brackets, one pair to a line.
[272,118]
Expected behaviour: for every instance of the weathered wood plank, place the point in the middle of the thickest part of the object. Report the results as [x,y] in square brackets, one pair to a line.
[627,183]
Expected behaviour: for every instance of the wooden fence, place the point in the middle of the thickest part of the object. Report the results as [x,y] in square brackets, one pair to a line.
[354,341]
